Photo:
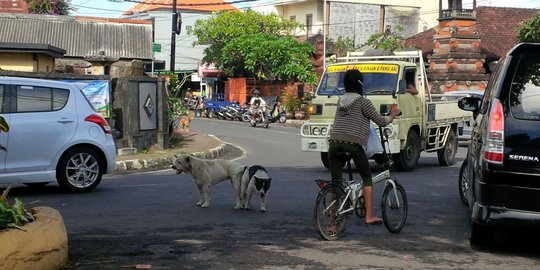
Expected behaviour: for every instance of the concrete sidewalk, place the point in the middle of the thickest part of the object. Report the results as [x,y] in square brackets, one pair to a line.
[201,145]
[198,144]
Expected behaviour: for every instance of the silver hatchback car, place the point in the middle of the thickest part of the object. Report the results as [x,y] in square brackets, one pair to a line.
[54,134]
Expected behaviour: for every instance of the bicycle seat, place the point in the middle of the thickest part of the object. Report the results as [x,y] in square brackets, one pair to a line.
[345,156]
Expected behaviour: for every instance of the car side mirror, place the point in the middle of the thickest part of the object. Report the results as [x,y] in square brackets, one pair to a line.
[402,86]
[471,104]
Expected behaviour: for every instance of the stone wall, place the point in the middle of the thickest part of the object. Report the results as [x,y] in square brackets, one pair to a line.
[140,121]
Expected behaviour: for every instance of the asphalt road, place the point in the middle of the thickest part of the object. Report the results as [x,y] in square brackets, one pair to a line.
[151,218]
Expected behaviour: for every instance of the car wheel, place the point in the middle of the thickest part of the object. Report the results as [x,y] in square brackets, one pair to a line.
[464,182]
[447,154]
[408,157]
[80,170]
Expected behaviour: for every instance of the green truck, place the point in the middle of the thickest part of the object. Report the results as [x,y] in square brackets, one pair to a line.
[429,122]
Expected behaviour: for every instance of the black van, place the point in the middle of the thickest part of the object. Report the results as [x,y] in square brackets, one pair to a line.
[503,158]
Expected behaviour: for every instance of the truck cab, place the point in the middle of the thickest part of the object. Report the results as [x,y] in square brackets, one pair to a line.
[427,122]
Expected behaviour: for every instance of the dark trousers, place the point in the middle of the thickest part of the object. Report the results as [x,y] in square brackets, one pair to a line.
[358,156]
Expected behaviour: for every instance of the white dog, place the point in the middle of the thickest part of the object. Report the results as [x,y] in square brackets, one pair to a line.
[209,172]
[255,179]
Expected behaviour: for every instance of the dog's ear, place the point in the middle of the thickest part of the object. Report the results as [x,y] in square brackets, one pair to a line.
[188,158]
[175,155]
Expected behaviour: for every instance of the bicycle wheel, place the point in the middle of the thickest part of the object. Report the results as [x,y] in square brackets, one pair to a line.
[328,201]
[394,207]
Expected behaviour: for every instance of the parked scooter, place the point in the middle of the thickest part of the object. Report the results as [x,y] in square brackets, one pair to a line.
[277,114]
[232,112]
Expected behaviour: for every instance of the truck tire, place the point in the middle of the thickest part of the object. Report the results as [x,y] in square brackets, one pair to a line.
[408,157]
[324,159]
[447,154]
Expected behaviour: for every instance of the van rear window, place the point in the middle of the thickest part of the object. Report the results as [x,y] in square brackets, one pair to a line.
[525,89]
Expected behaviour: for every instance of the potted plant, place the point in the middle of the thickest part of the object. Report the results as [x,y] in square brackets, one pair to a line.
[13,216]
[290,101]
[43,226]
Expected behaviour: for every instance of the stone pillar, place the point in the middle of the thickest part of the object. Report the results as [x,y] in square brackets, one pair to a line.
[456,62]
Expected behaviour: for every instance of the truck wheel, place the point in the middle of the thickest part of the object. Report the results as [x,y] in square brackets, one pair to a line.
[447,154]
[408,157]
[324,159]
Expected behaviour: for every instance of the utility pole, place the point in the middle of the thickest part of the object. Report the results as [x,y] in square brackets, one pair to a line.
[174,31]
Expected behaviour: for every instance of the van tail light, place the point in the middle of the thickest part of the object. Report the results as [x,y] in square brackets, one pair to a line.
[94,118]
[495,134]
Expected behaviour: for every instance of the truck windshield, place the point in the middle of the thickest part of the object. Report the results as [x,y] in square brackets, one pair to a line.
[379,79]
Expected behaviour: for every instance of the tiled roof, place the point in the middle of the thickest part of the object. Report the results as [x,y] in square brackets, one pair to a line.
[13,6]
[81,36]
[193,5]
[496,28]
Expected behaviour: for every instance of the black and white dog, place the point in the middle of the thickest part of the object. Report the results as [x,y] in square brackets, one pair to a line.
[254,179]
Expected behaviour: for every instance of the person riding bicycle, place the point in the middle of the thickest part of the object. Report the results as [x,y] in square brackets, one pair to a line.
[257,103]
[350,132]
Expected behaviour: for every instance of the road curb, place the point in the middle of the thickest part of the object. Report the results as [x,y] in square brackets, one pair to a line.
[166,161]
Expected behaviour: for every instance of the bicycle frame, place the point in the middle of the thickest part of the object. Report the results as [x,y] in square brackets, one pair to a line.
[351,185]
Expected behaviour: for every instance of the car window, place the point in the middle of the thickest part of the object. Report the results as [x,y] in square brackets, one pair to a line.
[525,89]
[493,84]
[40,99]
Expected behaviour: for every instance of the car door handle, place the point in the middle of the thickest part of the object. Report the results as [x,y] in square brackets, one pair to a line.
[65,120]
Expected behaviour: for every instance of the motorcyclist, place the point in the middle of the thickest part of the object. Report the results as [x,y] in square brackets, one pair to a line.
[257,103]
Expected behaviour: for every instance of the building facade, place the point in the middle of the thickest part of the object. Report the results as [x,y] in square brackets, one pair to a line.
[358,19]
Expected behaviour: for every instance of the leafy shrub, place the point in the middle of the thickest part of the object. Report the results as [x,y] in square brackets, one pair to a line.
[13,216]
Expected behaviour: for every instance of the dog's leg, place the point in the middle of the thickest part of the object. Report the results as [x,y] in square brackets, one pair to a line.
[201,195]
[236,183]
[263,202]
[206,196]
[247,203]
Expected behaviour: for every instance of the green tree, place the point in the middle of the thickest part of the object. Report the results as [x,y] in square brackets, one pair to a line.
[341,46]
[529,31]
[52,7]
[252,44]
[387,40]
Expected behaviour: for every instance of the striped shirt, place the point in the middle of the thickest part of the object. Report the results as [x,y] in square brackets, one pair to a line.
[351,123]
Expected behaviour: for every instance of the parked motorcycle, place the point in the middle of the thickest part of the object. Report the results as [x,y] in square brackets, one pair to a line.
[233,112]
[277,114]
[221,113]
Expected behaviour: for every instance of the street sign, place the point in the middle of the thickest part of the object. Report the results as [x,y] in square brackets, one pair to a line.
[156,47]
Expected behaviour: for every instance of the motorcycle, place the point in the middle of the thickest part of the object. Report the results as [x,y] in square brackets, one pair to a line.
[233,112]
[278,114]
[260,116]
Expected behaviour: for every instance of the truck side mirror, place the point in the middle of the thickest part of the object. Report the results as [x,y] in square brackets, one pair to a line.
[402,86]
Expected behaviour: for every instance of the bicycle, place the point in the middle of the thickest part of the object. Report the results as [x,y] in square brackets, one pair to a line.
[336,200]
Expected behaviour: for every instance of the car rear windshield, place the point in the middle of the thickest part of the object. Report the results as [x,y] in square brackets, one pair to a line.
[525,89]
[379,79]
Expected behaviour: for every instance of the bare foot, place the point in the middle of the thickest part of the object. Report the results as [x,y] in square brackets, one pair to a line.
[374,221]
